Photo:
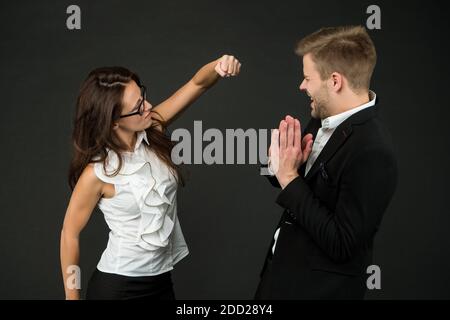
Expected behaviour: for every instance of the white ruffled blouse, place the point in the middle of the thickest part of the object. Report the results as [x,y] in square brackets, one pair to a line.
[145,237]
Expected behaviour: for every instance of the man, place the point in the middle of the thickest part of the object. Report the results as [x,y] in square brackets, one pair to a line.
[336,182]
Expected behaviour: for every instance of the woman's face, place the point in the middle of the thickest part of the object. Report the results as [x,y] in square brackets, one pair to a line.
[132,100]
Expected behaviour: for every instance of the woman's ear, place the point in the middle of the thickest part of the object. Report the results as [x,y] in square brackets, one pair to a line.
[115,126]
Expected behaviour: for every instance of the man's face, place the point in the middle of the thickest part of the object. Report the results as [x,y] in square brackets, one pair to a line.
[315,88]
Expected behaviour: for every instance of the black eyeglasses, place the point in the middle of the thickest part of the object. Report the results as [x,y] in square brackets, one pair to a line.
[140,105]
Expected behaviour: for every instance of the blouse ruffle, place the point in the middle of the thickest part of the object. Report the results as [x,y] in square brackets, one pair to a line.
[149,189]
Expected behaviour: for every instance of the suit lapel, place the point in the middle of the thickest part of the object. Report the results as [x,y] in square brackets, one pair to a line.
[338,138]
[312,127]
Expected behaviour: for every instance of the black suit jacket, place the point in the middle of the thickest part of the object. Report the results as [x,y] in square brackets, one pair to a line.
[331,216]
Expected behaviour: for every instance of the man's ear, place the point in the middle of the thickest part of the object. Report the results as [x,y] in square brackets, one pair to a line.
[336,82]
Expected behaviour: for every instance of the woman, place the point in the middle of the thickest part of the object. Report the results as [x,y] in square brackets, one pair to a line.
[122,163]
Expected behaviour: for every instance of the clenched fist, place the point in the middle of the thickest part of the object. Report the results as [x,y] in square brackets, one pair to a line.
[228,66]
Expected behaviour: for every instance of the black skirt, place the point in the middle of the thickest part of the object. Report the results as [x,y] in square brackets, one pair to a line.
[110,286]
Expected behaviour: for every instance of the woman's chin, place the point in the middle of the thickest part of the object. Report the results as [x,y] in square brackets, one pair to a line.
[148,125]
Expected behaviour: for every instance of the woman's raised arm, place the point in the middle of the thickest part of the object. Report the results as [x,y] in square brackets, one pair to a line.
[207,76]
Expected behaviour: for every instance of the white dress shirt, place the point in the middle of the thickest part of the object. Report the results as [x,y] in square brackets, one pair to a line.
[324,134]
[145,237]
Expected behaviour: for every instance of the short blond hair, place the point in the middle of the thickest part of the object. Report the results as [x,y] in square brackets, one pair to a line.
[347,50]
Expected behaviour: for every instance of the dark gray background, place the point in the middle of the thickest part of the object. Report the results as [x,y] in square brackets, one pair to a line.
[227,212]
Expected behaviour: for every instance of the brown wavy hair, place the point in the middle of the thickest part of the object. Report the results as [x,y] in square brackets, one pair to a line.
[99,105]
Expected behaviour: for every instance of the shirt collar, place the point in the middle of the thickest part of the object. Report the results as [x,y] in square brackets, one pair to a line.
[334,121]
[141,135]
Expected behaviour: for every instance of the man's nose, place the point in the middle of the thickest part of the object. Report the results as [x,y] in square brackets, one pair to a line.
[302,86]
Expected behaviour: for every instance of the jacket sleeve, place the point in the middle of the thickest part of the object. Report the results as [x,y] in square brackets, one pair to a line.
[271,178]
[364,192]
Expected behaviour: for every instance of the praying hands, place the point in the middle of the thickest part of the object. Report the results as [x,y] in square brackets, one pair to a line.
[288,151]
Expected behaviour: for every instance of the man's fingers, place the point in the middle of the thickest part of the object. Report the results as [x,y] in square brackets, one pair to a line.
[274,152]
[283,135]
[297,134]
[306,139]
[274,143]
[288,118]
[307,144]
[307,151]
[290,133]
